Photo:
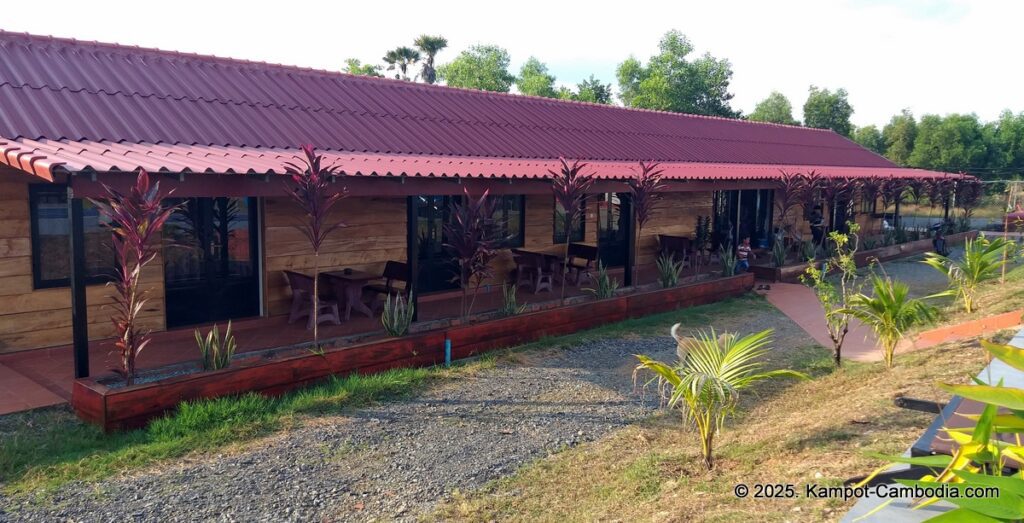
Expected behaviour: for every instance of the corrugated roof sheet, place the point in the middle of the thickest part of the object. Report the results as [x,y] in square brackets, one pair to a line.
[81,92]
[45,157]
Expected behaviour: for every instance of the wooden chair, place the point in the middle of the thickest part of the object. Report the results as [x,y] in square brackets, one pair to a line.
[582,260]
[302,301]
[532,270]
[676,246]
[394,272]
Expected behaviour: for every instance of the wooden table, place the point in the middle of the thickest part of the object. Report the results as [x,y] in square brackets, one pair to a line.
[348,285]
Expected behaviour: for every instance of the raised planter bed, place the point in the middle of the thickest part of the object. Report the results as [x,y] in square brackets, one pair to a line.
[115,408]
[791,273]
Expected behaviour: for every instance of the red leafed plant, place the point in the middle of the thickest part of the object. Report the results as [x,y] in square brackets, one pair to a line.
[570,186]
[470,236]
[645,190]
[135,218]
[310,189]
[838,190]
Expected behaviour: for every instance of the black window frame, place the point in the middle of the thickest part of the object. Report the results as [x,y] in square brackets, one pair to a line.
[35,192]
[581,226]
[503,204]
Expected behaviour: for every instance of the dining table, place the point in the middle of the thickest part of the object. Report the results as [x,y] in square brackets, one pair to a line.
[349,285]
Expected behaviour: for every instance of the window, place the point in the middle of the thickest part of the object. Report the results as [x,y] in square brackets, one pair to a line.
[868,205]
[559,224]
[51,256]
[509,216]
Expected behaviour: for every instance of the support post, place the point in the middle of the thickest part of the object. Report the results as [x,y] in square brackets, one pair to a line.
[626,206]
[79,311]
[897,219]
[412,252]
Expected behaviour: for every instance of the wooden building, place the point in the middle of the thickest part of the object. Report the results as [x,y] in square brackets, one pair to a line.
[75,116]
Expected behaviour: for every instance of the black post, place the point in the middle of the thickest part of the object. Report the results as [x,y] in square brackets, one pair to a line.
[896,218]
[412,257]
[626,206]
[79,313]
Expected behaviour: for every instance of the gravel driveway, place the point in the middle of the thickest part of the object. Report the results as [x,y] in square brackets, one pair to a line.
[397,460]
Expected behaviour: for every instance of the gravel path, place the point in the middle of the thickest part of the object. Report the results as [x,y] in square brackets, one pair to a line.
[396,460]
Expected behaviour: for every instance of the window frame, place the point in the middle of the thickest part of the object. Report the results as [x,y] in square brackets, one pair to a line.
[555,240]
[501,212]
[35,192]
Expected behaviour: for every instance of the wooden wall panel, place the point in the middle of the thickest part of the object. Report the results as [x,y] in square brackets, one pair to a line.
[374,233]
[675,214]
[31,318]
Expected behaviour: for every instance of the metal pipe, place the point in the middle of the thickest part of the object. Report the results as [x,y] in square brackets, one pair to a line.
[447,352]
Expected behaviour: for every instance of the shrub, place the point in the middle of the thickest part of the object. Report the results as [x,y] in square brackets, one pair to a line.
[890,312]
[982,260]
[779,252]
[706,385]
[834,299]
[397,315]
[216,352]
[980,457]
[606,285]
[509,304]
[669,270]
[728,261]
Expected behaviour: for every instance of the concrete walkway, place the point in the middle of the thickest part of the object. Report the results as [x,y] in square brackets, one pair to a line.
[799,303]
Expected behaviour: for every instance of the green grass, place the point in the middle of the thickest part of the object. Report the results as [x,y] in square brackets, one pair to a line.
[45,449]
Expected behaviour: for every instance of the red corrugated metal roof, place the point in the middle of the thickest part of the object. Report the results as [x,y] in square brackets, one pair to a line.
[80,92]
[45,157]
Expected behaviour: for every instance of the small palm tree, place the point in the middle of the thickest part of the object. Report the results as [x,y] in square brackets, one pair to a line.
[430,46]
[982,260]
[401,58]
[706,384]
[890,312]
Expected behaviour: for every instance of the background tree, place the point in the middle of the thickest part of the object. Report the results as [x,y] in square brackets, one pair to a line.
[1007,144]
[825,109]
[671,82]
[483,67]
[870,137]
[354,66]
[590,90]
[899,135]
[400,58]
[775,109]
[535,80]
[952,143]
[429,46]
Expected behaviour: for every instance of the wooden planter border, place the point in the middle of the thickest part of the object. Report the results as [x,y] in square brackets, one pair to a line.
[131,407]
[791,273]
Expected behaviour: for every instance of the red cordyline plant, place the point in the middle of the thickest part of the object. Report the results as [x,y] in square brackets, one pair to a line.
[570,186]
[810,194]
[645,191]
[969,191]
[835,190]
[470,236]
[789,195]
[892,190]
[310,189]
[136,218]
[869,190]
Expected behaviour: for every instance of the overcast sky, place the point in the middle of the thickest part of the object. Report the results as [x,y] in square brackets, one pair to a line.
[937,56]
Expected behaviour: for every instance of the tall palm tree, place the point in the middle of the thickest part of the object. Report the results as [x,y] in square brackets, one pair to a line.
[401,58]
[706,383]
[889,312]
[430,46]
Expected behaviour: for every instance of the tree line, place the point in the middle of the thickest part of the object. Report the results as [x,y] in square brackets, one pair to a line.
[674,80]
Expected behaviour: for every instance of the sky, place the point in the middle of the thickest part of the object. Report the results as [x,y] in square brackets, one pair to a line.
[940,56]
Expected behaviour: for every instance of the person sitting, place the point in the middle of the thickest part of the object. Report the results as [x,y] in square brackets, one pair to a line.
[939,243]
[817,221]
[743,255]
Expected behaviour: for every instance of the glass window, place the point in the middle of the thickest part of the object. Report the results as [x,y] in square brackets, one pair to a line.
[51,255]
[509,213]
[559,224]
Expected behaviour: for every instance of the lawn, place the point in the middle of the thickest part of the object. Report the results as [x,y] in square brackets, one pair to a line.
[814,432]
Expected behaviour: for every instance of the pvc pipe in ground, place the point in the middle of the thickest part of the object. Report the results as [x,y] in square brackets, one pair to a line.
[447,352]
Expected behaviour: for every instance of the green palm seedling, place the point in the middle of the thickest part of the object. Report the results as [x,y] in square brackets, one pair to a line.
[982,260]
[890,312]
[706,385]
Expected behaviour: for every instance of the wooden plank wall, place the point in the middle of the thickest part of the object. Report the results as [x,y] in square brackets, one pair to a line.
[32,318]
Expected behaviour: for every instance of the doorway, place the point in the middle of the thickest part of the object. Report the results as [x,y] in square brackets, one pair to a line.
[743,213]
[438,268]
[613,211]
[210,268]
